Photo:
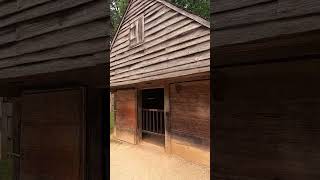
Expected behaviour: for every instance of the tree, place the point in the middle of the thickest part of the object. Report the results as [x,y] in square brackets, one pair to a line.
[198,7]
[118,8]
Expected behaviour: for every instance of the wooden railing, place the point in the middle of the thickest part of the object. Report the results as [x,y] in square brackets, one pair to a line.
[153,121]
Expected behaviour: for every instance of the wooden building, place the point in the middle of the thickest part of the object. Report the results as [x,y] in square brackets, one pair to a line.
[266,92]
[53,61]
[159,72]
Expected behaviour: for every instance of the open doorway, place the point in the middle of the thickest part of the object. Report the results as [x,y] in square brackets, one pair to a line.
[152,117]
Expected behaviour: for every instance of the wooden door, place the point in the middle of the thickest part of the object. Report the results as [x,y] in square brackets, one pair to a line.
[52,135]
[126,115]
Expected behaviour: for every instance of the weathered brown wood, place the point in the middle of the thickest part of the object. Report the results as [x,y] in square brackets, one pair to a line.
[4,131]
[197,70]
[41,10]
[275,50]
[250,15]
[268,121]
[75,16]
[71,50]
[165,59]
[1,128]
[60,150]
[183,26]
[219,6]
[7,7]
[271,11]
[256,20]
[162,65]
[140,116]
[16,134]
[158,50]
[267,30]
[70,35]
[126,115]
[167,118]
[188,119]
[7,35]
[94,136]
[161,71]
[55,65]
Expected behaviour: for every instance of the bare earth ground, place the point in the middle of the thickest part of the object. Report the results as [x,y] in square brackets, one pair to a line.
[149,162]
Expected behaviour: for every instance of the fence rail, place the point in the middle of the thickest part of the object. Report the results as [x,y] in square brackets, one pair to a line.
[153,121]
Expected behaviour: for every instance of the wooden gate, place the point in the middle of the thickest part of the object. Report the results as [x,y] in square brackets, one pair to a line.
[52,140]
[153,121]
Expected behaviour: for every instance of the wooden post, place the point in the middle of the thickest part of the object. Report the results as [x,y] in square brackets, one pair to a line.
[139,133]
[1,128]
[4,130]
[167,122]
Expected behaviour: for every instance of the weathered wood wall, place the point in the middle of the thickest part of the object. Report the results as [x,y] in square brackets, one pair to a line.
[48,36]
[237,21]
[190,120]
[266,124]
[265,95]
[268,27]
[52,133]
[96,134]
[126,115]
[174,45]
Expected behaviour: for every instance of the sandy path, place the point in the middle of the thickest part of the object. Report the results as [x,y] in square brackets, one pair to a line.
[146,162]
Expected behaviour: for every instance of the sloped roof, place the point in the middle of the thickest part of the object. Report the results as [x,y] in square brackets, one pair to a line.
[171,6]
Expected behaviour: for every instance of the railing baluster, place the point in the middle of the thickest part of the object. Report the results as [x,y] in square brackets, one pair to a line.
[157,113]
[150,123]
[143,120]
[160,122]
[157,122]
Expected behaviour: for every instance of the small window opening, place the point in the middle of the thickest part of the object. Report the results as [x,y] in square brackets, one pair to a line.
[137,32]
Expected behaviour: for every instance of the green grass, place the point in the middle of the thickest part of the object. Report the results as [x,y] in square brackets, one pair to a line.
[5,170]
[111,121]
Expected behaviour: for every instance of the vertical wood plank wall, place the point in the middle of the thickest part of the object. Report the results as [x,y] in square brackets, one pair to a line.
[94,126]
[126,115]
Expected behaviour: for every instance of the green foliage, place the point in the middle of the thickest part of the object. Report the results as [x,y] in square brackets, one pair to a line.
[198,7]
[5,170]
[118,8]
[111,120]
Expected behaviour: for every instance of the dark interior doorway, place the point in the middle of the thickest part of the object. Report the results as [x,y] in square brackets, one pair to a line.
[153,129]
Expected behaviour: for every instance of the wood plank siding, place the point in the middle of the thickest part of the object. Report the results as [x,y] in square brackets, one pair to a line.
[266,95]
[176,43]
[190,120]
[47,36]
[239,22]
[267,123]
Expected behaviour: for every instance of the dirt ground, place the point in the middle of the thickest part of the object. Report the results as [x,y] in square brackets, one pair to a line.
[149,162]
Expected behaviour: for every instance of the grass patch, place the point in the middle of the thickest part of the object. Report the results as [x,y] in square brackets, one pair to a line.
[111,121]
[5,170]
